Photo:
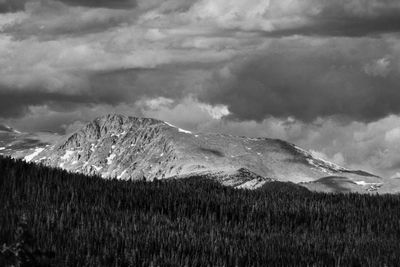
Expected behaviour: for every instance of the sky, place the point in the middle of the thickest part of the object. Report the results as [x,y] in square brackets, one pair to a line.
[322,74]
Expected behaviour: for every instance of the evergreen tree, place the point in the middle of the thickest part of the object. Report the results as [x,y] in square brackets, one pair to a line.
[89,221]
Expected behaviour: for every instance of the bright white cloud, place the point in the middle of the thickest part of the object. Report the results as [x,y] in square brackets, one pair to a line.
[380,67]
[158,103]
[393,136]
[216,112]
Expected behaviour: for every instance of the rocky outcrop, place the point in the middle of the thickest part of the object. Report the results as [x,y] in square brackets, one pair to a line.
[116,146]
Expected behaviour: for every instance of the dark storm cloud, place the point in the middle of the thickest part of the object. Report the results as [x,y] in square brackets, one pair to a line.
[277,18]
[310,80]
[16,103]
[7,6]
[352,18]
[56,31]
[51,18]
[343,26]
[106,87]
[47,20]
[136,83]
[101,3]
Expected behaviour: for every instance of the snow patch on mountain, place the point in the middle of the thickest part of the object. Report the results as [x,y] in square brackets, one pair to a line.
[122,174]
[179,129]
[33,155]
[169,124]
[16,131]
[328,163]
[68,154]
[110,158]
[253,184]
[363,183]
[318,162]
[97,168]
[184,131]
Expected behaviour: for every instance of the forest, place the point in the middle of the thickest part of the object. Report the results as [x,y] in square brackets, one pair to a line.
[49,217]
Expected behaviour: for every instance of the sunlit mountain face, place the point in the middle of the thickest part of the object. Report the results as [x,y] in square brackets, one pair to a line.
[132,148]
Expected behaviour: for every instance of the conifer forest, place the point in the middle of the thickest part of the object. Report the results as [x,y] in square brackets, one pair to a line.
[49,217]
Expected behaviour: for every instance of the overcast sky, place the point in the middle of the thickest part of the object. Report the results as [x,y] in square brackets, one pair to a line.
[324,74]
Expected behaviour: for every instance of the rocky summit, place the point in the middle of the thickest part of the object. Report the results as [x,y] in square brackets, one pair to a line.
[122,147]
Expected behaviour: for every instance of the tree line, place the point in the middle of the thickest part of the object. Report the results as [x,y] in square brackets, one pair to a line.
[50,217]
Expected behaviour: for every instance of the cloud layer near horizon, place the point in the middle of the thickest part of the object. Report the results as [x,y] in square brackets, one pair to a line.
[259,67]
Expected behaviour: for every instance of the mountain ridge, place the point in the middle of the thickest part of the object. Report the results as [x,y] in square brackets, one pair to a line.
[123,147]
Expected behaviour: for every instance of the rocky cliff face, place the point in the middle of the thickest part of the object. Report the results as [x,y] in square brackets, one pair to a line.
[123,147]
[115,146]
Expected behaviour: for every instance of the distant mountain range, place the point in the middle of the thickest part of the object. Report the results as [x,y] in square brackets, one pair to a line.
[18,144]
[116,146]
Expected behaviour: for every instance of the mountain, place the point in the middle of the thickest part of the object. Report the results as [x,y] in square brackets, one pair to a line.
[18,144]
[116,146]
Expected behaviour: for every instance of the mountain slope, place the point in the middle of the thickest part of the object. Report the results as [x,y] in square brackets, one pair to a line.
[18,144]
[140,148]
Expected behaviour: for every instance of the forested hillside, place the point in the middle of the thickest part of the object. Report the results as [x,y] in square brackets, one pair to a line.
[51,217]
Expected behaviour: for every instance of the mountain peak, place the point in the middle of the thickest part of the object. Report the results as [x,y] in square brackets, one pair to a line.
[115,120]
[120,123]
[126,147]
[112,117]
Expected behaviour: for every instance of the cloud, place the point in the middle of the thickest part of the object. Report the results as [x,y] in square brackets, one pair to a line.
[307,78]
[45,118]
[92,88]
[186,113]
[372,146]
[157,103]
[274,76]
[380,67]
[9,6]
[266,18]
[102,3]
[305,17]
[393,136]
[52,19]
[15,103]
[320,73]
[216,112]
[369,146]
